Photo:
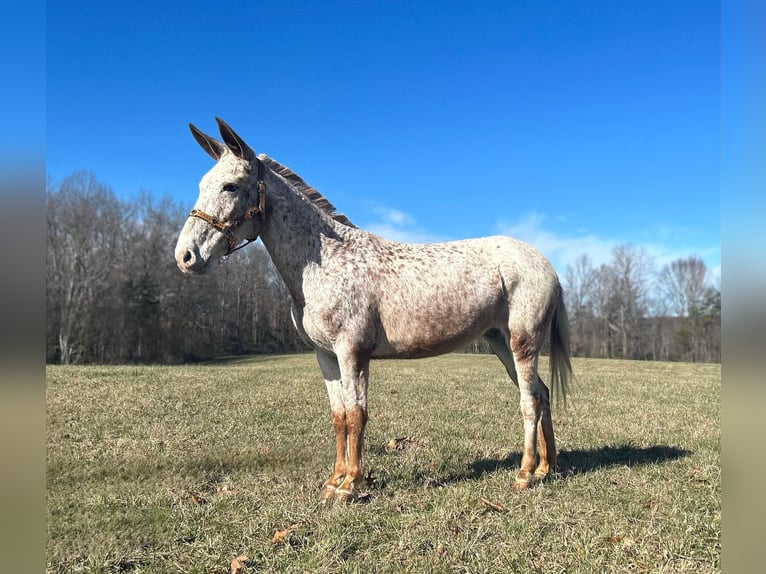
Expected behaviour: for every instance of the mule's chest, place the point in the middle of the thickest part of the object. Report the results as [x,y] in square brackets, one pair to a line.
[322,323]
[316,326]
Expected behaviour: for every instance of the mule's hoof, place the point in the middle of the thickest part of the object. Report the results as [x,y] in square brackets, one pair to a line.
[523,481]
[327,493]
[344,496]
[540,475]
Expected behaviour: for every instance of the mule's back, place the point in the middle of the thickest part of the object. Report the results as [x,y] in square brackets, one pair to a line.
[429,299]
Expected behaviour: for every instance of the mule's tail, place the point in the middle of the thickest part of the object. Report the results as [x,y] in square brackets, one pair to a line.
[561,365]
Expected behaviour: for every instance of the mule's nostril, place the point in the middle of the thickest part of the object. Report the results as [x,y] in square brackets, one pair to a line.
[189,260]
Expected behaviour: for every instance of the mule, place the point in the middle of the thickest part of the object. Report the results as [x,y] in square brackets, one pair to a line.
[357,296]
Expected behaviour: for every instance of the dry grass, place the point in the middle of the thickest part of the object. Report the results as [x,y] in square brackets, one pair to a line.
[182,469]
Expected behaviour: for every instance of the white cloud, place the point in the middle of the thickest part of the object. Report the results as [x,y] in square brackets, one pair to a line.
[563,250]
[398,226]
[396,217]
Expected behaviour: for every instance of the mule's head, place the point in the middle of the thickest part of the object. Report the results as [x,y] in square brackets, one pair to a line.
[230,206]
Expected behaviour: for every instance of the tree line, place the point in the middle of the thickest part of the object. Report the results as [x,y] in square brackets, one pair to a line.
[115,295]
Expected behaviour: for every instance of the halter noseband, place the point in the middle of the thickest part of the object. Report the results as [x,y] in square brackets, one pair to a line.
[228,227]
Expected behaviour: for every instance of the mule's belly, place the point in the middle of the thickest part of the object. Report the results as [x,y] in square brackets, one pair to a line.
[402,327]
[416,347]
[437,325]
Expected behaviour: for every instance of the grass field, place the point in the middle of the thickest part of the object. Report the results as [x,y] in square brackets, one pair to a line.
[183,469]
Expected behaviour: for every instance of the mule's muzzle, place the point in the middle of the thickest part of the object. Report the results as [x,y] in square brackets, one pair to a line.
[190,261]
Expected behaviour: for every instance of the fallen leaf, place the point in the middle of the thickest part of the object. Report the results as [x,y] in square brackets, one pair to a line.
[224,490]
[624,541]
[402,443]
[238,563]
[198,499]
[280,535]
[697,475]
[493,505]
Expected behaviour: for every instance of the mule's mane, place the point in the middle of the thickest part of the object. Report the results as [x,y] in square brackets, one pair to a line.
[296,182]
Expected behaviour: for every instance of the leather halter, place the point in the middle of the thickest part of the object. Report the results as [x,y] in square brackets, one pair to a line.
[228,227]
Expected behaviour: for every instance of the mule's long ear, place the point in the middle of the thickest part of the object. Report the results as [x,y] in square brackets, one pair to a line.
[235,143]
[212,147]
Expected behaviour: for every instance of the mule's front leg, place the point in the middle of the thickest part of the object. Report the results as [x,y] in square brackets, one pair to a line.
[346,380]
[339,470]
[354,371]
[332,379]
[356,420]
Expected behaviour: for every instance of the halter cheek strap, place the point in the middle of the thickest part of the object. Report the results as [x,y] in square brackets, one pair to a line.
[228,227]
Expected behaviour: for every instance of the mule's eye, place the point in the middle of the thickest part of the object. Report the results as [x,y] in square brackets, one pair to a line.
[230,187]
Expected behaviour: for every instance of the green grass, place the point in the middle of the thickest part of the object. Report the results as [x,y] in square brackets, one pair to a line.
[180,469]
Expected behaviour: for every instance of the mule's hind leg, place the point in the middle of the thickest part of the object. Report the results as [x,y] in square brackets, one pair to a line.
[546,444]
[525,359]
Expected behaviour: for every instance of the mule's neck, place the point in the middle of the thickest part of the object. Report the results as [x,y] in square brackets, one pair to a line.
[294,232]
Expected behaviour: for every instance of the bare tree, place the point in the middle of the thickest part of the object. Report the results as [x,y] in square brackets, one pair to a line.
[579,287]
[114,294]
[84,219]
[684,283]
[602,289]
[632,270]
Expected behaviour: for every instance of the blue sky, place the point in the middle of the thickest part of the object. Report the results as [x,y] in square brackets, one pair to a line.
[576,126]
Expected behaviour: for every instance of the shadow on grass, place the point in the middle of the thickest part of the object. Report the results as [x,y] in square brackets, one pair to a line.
[583,461]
